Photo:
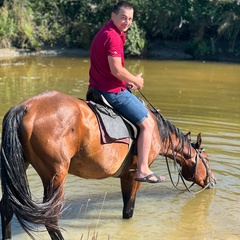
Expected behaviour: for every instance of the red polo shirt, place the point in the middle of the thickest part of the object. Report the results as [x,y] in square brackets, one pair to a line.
[109,41]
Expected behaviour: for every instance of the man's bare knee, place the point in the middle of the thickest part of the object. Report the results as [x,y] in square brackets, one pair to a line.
[147,123]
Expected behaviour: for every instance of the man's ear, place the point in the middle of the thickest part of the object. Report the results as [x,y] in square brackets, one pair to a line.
[113,15]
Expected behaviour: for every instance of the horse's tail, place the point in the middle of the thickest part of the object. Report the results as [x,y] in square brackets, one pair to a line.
[15,186]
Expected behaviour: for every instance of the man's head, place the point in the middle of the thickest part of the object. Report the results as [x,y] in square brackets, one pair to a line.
[122,15]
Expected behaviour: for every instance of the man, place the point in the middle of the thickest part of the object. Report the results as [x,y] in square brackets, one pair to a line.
[112,79]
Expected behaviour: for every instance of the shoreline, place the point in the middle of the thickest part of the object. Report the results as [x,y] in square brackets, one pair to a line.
[12,53]
[157,52]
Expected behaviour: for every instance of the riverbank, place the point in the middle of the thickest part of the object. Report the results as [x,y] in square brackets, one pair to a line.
[11,52]
[155,52]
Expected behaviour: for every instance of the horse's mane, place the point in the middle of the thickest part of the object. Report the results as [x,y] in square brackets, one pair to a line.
[166,128]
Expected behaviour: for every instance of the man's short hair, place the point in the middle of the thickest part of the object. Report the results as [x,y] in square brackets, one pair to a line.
[121,4]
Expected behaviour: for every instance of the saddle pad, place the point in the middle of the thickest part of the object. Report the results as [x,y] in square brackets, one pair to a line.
[112,126]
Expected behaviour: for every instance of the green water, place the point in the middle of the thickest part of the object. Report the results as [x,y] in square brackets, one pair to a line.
[195,96]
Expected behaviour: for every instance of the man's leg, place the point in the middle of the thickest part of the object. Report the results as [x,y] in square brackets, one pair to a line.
[143,146]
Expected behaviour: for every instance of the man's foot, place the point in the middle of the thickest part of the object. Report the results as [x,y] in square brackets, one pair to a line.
[151,178]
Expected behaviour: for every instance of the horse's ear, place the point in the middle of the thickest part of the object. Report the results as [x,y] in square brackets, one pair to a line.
[199,141]
[188,136]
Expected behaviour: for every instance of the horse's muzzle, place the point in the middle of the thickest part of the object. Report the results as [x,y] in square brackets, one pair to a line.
[212,183]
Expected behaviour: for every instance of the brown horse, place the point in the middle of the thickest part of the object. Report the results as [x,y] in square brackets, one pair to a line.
[59,134]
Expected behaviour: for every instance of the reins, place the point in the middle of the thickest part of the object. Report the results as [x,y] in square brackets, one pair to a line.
[198,156]
[179,171]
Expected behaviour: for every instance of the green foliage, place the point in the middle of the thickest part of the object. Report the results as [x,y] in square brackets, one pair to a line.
[17,25]
[8,28]
[157,18]
[73,23]
[136,42]
[228,21]
[198,48]
[50,21]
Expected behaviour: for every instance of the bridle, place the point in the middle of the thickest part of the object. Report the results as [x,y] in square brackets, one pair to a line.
[198,158]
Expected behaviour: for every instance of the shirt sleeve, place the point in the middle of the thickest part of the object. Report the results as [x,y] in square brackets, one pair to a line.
[114,46]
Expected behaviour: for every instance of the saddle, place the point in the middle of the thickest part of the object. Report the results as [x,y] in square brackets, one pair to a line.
[113,126]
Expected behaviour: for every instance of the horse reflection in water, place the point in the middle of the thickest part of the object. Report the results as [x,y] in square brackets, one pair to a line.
[59,134]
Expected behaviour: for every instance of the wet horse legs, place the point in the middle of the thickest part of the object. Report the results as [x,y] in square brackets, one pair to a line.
[55,235]
[129,191]
[54,232]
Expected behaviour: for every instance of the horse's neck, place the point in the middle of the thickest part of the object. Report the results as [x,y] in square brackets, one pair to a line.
[174,144]
[174,149]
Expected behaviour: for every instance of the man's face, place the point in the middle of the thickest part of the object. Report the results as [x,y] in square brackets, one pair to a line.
[123,19]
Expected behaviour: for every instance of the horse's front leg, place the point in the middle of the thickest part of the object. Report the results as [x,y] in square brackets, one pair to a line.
[6,215]
[129,191]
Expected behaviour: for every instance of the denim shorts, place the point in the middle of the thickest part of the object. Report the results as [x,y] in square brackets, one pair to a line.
[128,105]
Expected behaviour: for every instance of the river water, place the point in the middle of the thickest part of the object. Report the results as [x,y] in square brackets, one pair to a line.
[195,96]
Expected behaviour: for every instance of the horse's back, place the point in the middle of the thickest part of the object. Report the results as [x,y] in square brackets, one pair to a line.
[48,101]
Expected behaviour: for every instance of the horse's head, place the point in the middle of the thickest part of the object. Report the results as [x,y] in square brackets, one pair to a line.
[198,169]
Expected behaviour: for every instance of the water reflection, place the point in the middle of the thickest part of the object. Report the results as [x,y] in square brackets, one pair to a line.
[195,96]
[193,218]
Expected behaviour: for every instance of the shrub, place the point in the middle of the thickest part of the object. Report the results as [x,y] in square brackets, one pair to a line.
[136,41]
[8,28]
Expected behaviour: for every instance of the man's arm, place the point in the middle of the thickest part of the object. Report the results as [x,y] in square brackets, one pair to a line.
[122,73]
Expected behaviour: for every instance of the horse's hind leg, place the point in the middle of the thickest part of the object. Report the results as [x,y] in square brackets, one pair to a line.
[6,215]
[129,191]
[55,187]
[54,232]
[55,235]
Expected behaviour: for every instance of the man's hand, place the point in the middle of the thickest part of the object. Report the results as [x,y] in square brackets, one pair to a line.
[140,81]
[132,86]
